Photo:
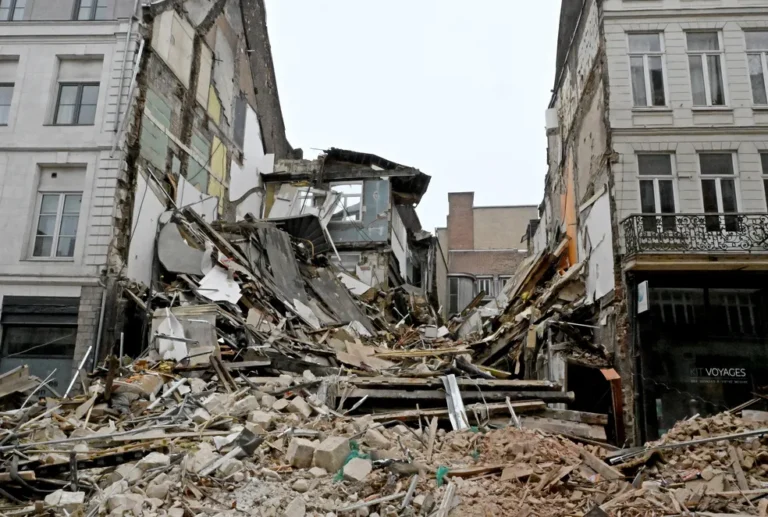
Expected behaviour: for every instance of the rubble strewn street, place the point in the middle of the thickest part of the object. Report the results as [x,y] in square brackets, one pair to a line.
[245,405]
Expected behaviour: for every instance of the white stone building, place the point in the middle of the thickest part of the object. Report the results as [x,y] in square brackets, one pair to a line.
[658,169]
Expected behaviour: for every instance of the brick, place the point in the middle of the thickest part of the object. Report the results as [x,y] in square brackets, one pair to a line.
[299,406]
[262,418]
[245,406]
[331,454]
[357,469]
[300,453]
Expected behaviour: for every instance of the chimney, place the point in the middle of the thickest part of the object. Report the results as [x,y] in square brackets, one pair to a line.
[461,221]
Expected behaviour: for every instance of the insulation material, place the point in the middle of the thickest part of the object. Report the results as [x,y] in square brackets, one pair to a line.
[596,246]
[217,286]
[170,326]
[218,175]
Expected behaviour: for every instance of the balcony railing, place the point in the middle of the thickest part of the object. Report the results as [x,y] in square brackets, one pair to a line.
[702,233]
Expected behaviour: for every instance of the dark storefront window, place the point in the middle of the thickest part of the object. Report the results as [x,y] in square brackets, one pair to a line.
[703,350]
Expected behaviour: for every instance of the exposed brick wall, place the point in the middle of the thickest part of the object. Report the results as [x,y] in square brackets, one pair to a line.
[87,322]
[461,221]
[484,262]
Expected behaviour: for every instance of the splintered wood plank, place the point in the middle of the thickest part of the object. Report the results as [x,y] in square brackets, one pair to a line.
[609,473]
[442,413]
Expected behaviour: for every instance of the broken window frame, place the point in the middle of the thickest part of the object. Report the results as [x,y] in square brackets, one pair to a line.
[60,214]
[78,104]
[758,55]
[5,109]
[658,222]
[704,58]
[648,56]
[12,10]
[720,223]
[343,202]
[485,283]
[92,11]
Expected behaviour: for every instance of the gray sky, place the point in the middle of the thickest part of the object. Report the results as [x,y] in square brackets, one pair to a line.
[457,89]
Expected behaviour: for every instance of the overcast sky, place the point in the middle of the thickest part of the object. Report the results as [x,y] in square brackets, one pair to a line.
[456,89]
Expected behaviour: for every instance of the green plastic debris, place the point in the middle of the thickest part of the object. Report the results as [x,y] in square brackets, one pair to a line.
[441,473]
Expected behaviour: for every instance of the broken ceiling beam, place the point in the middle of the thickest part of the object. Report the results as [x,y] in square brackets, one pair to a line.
[467,394]
[576,416]
[526,406]
[413,382]
[551,425]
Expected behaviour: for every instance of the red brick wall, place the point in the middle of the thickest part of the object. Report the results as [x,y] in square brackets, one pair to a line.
[484,262]
[461,221]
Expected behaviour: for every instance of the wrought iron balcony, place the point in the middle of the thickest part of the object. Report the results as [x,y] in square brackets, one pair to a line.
[695,233]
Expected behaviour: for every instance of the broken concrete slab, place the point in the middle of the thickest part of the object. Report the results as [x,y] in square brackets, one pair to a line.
[300,453]
[299,406]
[357,469]
[69,501]
[331,453]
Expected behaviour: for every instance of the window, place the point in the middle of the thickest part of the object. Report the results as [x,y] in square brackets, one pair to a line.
[764,163]
[349,207]
[733,309]
[757,60]
[91,10]
[679,307]
[705,64]
[76,104]
[718,187]
[502,282]
[57,225]
[6,95]
[647,69]
[12,10]
[657,191]
[486,285]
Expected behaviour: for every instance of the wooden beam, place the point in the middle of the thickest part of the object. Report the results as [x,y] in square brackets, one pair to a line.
[442,413]
[576,416]
[609,473]
[468,394]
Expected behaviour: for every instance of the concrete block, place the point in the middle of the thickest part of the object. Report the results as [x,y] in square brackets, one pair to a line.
[374,439]
[229,467]
[153,460]
[357,469]
[244,406]
[317,472]
[301,485]
[300,453]
[331,453]
[69,501]
[268,401]
[262,418]
[158,490]
[280,405]
[299,406]
[296,508]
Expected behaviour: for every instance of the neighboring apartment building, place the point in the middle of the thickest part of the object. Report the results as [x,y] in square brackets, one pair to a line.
[483,246]
[658,170]
[111,113]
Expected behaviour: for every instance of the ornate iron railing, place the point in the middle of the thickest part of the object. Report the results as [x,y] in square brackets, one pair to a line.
[697,233]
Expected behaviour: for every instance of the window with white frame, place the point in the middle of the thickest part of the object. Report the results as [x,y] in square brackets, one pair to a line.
[678,306]
[705,62]
[12,10]
[350,205]
[757,61]
[733,309]
[718,189]
[6,95]
[91,10]
[503,279]
[646,56]
[657,191]
[486,285]
[764,164]
[56,229]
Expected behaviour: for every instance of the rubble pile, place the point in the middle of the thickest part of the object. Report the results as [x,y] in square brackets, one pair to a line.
[274,384]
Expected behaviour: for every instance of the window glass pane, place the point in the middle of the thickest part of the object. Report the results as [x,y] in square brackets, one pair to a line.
[66,247]
[72,203]
[5,112]
[666,197]
[709,193]
[644,43]
[757,40]
[647,197]
[101,13]
[657,80]
[6,95]
[764,162]
[638,81]
[68,225]
[697,81]
[84,13]
[42,246]
[46,225]
[49,204]
[87,114]
[68,94]
[700,41]
[5,13]
[716,163]
[90,94]
[654,164]
[716,81]
[728,189]
[23,340]
[18,12]
[65,114]
[757,79]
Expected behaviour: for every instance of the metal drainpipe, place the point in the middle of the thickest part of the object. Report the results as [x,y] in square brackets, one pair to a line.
[125,61]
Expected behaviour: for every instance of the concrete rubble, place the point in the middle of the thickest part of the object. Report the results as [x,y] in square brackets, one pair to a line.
[279,418]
